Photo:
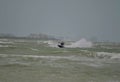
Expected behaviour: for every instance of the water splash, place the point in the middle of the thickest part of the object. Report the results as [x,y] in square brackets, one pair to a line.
[83,43]
[51,43]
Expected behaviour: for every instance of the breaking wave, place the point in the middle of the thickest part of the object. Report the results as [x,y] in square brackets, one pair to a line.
[28,60]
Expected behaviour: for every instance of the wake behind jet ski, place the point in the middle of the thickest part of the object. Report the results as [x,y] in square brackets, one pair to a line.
[61,44]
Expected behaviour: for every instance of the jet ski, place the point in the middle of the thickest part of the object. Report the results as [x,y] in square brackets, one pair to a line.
[61,45]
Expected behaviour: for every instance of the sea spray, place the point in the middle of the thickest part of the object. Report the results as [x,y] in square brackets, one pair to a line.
[51,43]
[83,43]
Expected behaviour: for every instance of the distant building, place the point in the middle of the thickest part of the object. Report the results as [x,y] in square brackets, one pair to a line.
[40,36]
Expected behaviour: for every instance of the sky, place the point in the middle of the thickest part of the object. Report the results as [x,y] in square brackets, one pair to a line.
[73,19]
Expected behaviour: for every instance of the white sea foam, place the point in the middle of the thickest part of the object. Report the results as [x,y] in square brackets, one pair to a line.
[51,43]
[109,55]
[4,45]
[34,49]
[23,59]
[6,42]
[37,56]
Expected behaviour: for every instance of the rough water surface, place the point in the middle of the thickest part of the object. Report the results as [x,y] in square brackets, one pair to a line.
[28,61]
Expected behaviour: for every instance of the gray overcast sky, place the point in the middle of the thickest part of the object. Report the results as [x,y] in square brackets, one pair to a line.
[67,18]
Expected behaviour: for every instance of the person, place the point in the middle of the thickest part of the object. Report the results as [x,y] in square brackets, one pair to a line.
[61,44]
